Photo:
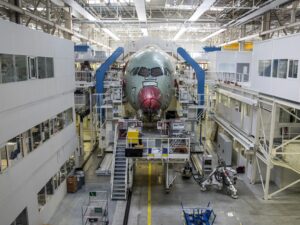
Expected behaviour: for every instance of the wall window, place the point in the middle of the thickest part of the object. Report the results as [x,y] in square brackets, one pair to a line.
[32,68]
[68,116]
[7,68]
[15,68]
[60,122]
[45,131]
[264,68]
[48,190]
[42,198]
[36,136]
[21,67]
[63,173]
[45,67]
[275,68]
[293,68]
[22,219]
[26,142]
[50,187]
[282,68]
[42,67]
[50,67]
[3,159]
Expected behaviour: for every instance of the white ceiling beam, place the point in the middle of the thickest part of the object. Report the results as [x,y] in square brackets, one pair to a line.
[111,34]
[180,33]
[271,4]
[140,8]
[78,8]
[213,34]
[205,5]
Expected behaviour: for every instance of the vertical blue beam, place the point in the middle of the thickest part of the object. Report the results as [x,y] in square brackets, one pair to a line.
[101,71]
[100,76]
[200,74]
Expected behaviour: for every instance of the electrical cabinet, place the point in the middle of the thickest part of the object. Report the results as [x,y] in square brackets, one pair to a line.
[224,148]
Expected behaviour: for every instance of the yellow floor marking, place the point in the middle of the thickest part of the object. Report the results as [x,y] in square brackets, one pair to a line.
[149,193]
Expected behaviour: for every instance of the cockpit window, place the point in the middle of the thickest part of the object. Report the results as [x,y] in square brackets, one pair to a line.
[156,72]
[134,70]
[167,71]
[143,72]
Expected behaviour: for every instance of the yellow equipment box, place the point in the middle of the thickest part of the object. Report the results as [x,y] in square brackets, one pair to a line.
[133,136]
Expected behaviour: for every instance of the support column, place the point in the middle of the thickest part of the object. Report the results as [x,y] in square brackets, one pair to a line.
[48,4]
[92,125]
[13,15]
[269,163]
[81,150]
[68,23]
[266,21]
[293,14]
[242,34]
[256,148]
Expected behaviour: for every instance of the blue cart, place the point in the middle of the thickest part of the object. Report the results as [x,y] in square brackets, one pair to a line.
[199,216]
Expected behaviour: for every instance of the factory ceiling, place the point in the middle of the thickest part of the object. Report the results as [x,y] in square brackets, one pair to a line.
[108,22]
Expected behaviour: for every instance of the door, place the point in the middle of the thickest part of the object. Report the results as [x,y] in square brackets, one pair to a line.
[243,70]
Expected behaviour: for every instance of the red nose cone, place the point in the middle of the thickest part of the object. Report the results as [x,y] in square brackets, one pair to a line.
[150,98]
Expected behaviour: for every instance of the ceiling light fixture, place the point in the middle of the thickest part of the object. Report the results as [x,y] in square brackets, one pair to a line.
[213,34]
[144,31]
[180,33]
[206,4]
[140,10]
[111,34]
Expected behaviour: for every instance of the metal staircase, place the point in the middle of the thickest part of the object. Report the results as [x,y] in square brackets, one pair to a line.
[119,175]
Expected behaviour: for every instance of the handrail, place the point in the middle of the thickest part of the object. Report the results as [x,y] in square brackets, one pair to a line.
[169,144]
[228,76]
[114,156]
[85,75]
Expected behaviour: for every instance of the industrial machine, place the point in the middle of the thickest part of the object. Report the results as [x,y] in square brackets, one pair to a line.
[187,171]
[222,177]
[135,146]
[149,81]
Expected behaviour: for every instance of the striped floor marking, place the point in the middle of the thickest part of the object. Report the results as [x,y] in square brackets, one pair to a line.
[149,221]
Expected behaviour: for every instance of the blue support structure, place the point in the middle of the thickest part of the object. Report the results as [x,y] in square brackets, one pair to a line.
[101,71]
[100,76]
[200,74]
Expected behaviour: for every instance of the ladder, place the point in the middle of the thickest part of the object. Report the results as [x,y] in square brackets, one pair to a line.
[119,176]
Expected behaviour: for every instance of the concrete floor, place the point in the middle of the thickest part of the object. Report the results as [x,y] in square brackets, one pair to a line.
[249,209]
[69,211]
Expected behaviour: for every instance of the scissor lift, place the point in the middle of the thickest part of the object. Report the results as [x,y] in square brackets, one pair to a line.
[198,216]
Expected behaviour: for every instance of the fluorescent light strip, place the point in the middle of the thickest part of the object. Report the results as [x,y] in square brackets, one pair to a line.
[213,34]
[206,4]
[111,34]
[141,10]
[180,33]
[78,8]
[240,39]
[144,31]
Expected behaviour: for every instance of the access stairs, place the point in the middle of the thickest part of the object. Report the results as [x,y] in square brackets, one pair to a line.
[119,178]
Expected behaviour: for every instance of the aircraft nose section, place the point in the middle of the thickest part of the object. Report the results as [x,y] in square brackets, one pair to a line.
[150,98]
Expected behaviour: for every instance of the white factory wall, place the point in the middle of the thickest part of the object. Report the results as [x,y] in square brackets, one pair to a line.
[280,48]
[226,61]
[25,104]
